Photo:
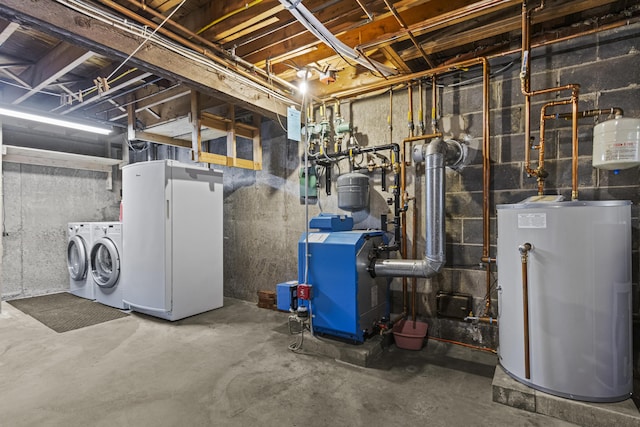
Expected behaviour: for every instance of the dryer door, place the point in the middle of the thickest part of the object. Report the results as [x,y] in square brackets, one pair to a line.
[77,259]
[105,263]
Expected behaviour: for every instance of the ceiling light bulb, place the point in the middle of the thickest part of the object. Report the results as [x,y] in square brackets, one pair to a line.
[303,86]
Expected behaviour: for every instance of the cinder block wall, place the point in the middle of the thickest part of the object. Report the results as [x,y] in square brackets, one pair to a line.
[264,218]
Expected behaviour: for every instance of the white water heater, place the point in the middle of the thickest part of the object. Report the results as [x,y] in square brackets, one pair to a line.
[616,144]
[579,297]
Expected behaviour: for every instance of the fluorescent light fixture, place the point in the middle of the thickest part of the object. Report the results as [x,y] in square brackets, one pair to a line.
[53,121]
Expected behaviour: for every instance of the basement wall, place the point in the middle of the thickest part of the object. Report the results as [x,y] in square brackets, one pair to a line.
[39,201]
[264,218]
[263,215]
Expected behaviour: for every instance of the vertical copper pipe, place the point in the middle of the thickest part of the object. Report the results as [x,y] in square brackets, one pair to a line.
[403,221]
[434,103]
[414,253]
[524,254]
[540,172]
[404,164]
[540,175]
[421,109]
[525,87]
[526,90]
[574,144]
[525,314]
[486,182]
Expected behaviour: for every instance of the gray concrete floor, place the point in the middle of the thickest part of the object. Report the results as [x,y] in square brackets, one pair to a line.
[231,367]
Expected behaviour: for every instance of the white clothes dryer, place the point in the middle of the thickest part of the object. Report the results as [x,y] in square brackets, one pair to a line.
[79,242]
[105,258]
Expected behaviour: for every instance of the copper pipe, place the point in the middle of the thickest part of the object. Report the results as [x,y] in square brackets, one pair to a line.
[486,183]
[406,78]
[434,104]
[390,119]
[410,112]
[475,347]
[613,111]
[489,320]
[192,35]
[188,44]
[574,144]
[544,42]
[422,137]
[414,252]
[526,91]
[524,253]
[540,171]
[403,222]
[405,195]
[421,108]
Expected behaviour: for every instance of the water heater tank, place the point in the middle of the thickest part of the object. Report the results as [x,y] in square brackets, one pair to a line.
[579,294]
[353,192]
[616,144]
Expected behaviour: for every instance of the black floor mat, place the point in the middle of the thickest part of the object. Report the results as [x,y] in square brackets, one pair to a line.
[65,312]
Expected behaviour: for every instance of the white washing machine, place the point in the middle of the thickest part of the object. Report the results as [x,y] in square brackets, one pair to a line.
[105,258]
[79,242]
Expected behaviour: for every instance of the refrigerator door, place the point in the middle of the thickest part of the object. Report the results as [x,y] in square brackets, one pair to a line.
[197,240]
[147,236]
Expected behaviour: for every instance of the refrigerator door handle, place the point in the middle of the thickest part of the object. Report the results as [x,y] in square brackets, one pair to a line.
[168,208]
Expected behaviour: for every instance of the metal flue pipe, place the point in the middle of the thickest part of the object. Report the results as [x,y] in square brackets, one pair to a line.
[435,155]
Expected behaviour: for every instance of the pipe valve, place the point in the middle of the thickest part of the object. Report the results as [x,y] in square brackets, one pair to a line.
[524,250]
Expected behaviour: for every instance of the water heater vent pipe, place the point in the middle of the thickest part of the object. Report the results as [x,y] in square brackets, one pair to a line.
[435,155]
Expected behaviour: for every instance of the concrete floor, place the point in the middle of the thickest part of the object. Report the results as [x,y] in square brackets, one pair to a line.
[231,367]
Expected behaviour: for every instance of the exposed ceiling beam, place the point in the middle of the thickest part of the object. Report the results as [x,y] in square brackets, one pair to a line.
[55,64]
[6,32]
[68,24]
[395,59]
[130,79]
[152,101]
[502,27]
[20,81]
[418,15]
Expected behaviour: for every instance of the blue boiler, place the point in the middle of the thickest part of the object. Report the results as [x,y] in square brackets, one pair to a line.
[346,302]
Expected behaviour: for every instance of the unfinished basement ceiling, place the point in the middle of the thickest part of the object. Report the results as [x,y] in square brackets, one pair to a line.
[67,57]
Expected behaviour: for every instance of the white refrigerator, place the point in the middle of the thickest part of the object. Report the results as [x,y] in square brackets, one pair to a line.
[172,240]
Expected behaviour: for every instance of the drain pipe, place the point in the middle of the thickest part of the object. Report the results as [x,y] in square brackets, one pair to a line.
[436,155]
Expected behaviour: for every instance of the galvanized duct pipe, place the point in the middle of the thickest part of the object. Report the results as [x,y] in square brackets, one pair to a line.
[436,155]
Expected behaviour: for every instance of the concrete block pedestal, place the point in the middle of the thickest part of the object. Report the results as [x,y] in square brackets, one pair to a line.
[512,393]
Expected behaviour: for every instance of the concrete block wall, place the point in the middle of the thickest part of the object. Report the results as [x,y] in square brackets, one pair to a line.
[263,212]
[264,218]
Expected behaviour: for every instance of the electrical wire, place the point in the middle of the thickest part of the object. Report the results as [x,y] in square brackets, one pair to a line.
[311,23]
[146,39]
[139,31]
[44,92]
[297,345]
[475,347]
